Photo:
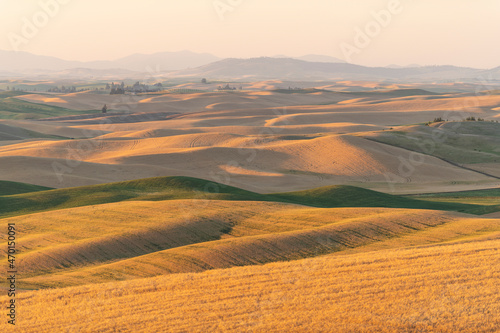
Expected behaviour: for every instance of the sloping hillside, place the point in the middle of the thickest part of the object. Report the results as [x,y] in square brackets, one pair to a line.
[173,188]
[440,288]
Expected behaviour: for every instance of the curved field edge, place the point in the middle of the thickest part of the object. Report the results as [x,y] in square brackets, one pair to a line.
[480,197]
[458,142]
[12,188]
[169,188]
[15,108]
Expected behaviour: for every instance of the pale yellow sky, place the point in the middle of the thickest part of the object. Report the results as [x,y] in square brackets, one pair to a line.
[427,32]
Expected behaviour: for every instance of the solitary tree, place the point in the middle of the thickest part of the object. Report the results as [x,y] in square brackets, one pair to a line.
[204,81]
[104,108]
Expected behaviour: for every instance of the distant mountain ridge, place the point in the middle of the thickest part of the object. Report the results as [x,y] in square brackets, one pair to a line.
[294,69]
[314,58]
[187,64]
[163,61]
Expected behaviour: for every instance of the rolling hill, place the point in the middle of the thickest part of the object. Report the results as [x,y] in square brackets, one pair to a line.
[14,108]
[168,225]
[12,188]
[445,287]
[175,188]
[471,144]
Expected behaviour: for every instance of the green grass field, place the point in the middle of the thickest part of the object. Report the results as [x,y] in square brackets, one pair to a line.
[11,188]
[458,142]
[13,108]
[479,197]
[172,188]
[11,93]
[17,133]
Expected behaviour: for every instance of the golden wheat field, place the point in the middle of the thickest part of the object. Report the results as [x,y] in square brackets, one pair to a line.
[374,269]
[450,287]
[261,216]
[230,166]
[142,239]
[264,141]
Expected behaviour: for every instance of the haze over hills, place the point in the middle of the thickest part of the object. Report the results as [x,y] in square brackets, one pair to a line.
[14,61]
[314,58]
[161,61]
[187,64]
[272,68]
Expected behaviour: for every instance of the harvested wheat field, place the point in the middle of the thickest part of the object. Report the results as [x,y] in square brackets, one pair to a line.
[105,242]
[341,207]
[440,288]
[277,141]
[249,166]
[329,259]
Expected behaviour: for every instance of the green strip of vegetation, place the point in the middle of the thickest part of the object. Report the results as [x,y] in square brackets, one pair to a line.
[172,188]
[11,188]
[13,108]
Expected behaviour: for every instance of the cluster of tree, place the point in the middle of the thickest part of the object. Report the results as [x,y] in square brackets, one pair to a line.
[116,88]
[479,119]
[228,87]
[436,120]
[18,89]
[471,118]
[136,88]
[63,89]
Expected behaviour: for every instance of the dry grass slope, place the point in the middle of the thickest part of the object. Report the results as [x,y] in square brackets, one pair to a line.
[133,239]
[272,137]
[198,260]
[440,288]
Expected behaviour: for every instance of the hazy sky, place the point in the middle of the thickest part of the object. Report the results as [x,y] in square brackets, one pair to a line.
[427,32]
